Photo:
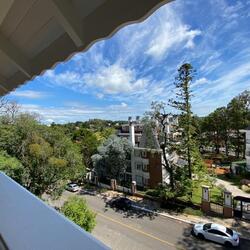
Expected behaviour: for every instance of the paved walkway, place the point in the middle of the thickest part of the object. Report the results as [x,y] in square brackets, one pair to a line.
[231,188]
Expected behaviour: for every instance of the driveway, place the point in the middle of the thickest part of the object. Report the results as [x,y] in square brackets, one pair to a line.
[231,188]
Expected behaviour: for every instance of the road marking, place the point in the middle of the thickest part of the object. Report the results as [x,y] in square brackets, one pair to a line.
[139,231]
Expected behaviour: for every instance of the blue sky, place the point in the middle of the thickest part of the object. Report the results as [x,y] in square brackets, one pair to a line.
[120,76]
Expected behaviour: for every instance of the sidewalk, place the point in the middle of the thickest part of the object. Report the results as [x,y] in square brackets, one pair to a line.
[242,227]
[231,188]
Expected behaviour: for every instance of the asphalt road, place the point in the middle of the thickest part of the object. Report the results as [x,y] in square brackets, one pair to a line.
[134,230]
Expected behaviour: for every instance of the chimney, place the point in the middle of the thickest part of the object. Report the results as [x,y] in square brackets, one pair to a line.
[131,131]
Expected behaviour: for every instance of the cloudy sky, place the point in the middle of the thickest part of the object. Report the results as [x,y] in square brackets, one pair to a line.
[121,76]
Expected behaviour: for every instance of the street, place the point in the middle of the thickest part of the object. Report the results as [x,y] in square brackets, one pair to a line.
[135,230]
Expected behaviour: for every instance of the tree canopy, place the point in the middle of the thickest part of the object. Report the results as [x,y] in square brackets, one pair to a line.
[76,209]
[113,157]
[47,158]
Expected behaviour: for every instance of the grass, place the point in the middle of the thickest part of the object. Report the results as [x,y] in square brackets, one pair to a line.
[152,192]
[215,193]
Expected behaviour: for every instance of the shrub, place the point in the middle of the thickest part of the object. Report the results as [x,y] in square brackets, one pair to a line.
[76,209]
[153,192]
[192,211]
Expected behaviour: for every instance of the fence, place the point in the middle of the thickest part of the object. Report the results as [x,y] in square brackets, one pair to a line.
[118,188]
[216,208]
[123,189]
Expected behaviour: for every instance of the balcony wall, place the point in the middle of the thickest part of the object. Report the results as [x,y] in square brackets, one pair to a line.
[26,222]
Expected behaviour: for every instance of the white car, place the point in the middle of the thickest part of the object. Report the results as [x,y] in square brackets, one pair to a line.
[73,187]
[217,233]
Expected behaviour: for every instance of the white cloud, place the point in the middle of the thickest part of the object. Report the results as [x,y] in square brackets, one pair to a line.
[124,105]
[64,114]
[99,95]
[199,82]
[170,33]
[31,94]
[227,80]
[114,79]
[69,79]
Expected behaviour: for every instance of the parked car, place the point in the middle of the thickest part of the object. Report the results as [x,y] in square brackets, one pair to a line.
[121,203]
[72,187]
[216,233]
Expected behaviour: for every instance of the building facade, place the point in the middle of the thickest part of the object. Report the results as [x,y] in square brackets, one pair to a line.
[146,166]
[247,148]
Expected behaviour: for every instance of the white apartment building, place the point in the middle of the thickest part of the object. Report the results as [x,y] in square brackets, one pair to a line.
[247,154]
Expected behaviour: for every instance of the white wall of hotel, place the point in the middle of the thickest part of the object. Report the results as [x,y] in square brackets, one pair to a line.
[248,149]
[137,159]
[247,153]
[26,222]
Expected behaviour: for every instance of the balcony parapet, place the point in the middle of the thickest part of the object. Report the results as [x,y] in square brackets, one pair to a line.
[26,222]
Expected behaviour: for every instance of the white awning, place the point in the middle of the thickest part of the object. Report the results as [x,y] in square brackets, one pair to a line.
[37,34]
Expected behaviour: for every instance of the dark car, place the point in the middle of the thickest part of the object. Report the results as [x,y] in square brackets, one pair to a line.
[121,203]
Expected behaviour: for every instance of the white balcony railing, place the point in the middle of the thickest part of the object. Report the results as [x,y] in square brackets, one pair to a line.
[26,222]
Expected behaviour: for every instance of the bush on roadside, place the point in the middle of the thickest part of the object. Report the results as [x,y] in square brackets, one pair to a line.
[192,211]
[153,192]
[76,210]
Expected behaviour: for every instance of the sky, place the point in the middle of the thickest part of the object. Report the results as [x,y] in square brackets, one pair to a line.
[120,76]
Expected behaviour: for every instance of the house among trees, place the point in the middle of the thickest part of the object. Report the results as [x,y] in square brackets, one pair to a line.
[146,166]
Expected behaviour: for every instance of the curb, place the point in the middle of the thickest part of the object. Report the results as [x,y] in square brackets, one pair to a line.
[164,215]
[176,218]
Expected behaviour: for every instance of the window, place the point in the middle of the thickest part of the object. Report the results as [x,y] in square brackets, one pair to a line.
[137,153]
[143,154]
[139,166]
[145,167]
[217,232]
[207,226]
[139,179]
[213,231]
[145,181]
[229,231]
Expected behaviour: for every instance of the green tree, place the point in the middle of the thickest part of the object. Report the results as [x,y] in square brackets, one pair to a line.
[77,211]
[239,110]
[113,157]
[88,142]
[11,166]
[182,103]
[48,157]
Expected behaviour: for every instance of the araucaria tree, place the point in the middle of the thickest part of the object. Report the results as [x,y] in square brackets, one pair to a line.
[113,157]
[182,103]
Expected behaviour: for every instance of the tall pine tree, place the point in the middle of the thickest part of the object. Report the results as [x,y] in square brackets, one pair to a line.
[182,103]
